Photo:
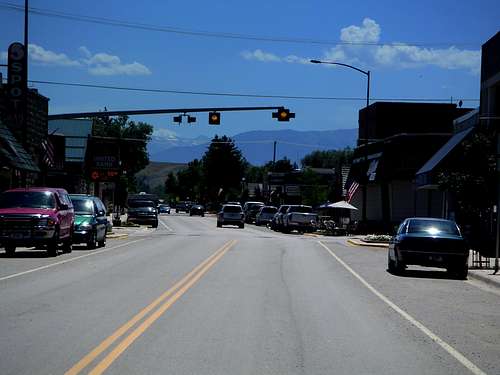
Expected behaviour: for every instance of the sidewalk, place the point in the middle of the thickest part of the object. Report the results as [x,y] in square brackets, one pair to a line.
[483,275]
[120,232]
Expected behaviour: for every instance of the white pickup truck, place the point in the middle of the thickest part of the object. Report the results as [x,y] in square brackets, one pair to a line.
[300,218]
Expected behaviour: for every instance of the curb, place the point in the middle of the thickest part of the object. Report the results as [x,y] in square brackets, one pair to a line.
[117,236]
[485,279]
[367,244]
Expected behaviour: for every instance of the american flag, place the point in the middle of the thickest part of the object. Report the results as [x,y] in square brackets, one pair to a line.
[350,192]
[48,157]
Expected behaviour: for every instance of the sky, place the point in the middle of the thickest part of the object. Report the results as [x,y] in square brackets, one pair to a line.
[413,49]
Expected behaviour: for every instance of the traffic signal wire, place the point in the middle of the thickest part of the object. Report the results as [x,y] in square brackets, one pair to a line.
[245,95]
[212,34]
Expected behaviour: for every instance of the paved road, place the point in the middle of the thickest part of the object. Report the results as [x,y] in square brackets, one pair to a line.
[189,298]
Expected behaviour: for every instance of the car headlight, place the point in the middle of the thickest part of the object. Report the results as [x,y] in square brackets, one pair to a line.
[46,222]
[85,226]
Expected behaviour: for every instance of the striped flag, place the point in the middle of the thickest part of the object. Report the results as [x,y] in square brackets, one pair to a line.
[350,192]
[48,157]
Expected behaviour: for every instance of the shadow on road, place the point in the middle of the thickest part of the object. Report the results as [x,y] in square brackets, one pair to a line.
[426,274]
[26,254]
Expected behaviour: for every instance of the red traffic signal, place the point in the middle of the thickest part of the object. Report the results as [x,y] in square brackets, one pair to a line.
[283,114]
[214,118]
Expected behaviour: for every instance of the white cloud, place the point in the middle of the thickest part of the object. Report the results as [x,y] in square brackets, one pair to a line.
[368,32]
[105,64]
[405,56]
[85,52]
[95,64]
[40,55]
[385,55]
[133,69]
[260,55]
[292,59]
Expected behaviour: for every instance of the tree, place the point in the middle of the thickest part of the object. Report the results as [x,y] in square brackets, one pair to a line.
[190,181]
[133,136]
[328,159]
[313,191]
[223,168]
[471,181]
[172,186]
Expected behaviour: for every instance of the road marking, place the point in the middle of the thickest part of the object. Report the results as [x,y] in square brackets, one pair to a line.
[66,260]
[180,288]
[165,225]
[451,350]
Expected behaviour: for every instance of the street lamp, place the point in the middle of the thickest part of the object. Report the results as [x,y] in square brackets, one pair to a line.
[365,140]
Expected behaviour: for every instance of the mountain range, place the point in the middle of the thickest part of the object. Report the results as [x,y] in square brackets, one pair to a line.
[256,146]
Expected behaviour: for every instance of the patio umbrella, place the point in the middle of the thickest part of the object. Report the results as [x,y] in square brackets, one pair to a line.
[341,204]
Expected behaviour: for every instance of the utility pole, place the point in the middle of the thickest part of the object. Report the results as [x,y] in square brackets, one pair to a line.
[274,154]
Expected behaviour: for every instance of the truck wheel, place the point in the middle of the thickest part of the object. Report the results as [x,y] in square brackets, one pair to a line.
[67,245]
[459,270]
[102,242]
[52,245]
[10,249]
[92,243]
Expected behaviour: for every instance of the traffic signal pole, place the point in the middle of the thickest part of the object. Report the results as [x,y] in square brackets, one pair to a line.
[157,112]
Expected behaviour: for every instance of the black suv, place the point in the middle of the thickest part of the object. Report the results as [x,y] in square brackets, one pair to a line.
[142,211]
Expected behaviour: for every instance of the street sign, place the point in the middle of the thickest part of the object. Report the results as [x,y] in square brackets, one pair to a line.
[17,80]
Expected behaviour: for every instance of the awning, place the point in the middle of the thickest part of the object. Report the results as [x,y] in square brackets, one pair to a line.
[423,176]
[13,153]
[339,204]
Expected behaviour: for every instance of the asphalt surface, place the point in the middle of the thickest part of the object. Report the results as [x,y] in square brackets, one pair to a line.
[190,298]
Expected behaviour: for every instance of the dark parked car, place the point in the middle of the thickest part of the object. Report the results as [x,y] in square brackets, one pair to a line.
[250,210]
[36,217]
[277,221]
[183,206]
[197,209]
[231,214]
[429,242]
[265,215]
[164,209]
[142,211]
[91,224]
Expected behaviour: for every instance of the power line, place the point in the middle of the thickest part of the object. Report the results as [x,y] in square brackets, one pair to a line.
[204,33]
[243,95]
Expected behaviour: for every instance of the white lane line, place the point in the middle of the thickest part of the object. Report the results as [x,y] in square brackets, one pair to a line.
[438,340]
[165,225]
[66,261]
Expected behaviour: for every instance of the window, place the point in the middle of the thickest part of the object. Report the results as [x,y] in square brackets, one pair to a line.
[433,227]
[27,199]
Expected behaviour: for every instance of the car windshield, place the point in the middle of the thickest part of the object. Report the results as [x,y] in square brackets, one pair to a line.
[269,210]
[83,206]
[27,199]
[304,209]
[140,203]
[433,227]
[231,209]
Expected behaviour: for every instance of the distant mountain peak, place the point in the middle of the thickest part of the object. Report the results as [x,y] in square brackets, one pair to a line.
[256,145]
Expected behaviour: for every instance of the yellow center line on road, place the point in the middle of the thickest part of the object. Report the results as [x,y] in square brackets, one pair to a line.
[181,287]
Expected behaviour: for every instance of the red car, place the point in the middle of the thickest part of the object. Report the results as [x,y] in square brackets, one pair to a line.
[39,217]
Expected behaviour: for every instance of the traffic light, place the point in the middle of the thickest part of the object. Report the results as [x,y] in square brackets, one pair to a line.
[283,114]
[178,119]
[191,119]
[214,118]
